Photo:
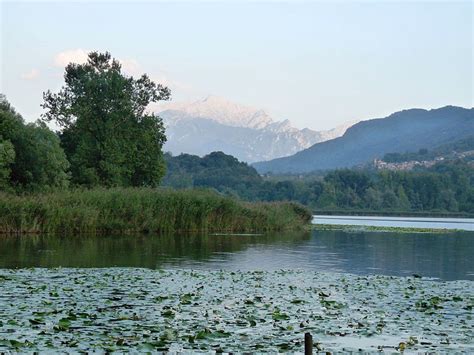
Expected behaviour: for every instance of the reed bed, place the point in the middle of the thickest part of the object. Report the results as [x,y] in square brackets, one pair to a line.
[145,210]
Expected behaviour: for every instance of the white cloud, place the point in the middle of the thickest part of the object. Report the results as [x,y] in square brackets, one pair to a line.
[31,75]
[130,66]
[78,56]
[161,77]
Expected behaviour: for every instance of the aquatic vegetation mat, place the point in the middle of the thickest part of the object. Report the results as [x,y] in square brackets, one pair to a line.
[362,228]
[118,309]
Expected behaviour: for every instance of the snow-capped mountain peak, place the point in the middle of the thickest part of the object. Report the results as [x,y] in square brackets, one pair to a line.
[249,134]
[223,111]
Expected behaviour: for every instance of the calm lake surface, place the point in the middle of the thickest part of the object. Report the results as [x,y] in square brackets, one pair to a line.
[446,256]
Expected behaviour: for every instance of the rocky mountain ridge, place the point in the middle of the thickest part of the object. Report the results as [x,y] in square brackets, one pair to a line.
[249,134]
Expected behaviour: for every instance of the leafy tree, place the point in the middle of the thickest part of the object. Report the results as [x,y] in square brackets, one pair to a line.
[30,154]
[390,200]
[404,202]
[40,160]
[108,136]
[327,199]
[7,157]
[373,199]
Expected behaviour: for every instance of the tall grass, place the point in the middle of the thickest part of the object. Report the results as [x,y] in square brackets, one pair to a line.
[142,210]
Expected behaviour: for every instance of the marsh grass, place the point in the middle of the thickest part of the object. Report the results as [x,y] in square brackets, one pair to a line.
[127,210]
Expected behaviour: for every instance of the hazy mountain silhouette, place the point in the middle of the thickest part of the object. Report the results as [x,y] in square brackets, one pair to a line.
[403,131]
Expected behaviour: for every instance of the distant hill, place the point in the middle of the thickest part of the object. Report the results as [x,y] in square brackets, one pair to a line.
[455,150]
[216,170]
[216,124]
[408,130]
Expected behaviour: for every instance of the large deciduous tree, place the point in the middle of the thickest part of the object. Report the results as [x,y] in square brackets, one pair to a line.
[108,136]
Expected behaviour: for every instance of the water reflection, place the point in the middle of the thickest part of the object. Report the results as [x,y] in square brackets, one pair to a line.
[445,256]
[150,251]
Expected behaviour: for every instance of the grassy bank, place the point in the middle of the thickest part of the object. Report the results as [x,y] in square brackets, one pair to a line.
[357,228]
[143,210]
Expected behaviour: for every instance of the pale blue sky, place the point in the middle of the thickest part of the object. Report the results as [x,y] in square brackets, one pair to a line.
[316,63]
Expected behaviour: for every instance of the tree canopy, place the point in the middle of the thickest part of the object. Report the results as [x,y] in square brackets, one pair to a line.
[30,154]
[217,170]
[108,136]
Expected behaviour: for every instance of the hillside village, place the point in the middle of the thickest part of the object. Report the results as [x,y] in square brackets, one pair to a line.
[380,164]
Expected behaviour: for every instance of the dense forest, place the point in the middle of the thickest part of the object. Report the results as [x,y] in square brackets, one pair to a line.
[446,187]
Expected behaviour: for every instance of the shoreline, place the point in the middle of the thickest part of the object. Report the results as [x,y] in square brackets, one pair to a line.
[382,229]
[393,213]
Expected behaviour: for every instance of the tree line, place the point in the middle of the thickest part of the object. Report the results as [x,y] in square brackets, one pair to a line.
[446,187]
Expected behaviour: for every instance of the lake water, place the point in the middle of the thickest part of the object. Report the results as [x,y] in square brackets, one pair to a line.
[406,222]
[446,256]
[105,295]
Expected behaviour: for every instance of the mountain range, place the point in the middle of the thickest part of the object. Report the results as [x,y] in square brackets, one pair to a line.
[404,131]
[249,134]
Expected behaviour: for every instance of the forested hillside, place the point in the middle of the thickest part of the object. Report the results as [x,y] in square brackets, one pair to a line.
[451,150]
[408,130]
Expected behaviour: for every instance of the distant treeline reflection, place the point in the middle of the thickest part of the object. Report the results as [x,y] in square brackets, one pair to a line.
[150,251]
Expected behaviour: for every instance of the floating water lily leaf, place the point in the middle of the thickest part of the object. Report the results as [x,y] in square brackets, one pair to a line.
[180,311]
[160,298]
[36,321]
[277,315]
[63,324]
[168,313]
[297,301]
[186,298]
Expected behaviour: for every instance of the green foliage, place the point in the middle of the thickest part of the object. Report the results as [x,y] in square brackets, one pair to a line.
[142,210]
[7,157]
[447,187]
[217,170]
[109,138]
[40,161]
[30,154]
[422,154]
[462,145]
